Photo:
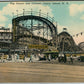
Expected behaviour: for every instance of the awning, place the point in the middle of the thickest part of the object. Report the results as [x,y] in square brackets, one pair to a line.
[51,52]
[4,50]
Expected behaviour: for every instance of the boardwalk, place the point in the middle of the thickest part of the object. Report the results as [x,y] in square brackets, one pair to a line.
[40,72]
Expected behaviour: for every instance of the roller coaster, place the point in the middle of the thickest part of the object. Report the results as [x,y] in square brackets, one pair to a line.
[36,28]
[35,32]
[32,27]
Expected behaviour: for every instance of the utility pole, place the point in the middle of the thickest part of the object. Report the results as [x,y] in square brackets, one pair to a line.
[56,38]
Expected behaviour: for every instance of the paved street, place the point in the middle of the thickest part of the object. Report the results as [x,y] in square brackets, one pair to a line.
[40,72]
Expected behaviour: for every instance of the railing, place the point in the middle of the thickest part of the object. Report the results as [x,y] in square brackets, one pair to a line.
[34,13]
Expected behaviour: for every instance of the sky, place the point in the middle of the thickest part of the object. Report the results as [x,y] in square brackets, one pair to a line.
[69,15]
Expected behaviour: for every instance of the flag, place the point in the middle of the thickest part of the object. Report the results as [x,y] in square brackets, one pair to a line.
[64,28]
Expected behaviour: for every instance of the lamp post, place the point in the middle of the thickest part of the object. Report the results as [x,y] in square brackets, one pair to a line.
[13,14]
[40,12]
[23,11]
[17,12]
[31,11]
[52,19]
[47,15]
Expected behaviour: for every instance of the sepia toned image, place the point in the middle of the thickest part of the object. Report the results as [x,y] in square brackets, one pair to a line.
[42,42]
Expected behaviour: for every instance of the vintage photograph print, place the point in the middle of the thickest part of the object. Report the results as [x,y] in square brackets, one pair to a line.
[42,42]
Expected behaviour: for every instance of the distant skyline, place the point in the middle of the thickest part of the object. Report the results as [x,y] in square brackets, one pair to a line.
[68,15]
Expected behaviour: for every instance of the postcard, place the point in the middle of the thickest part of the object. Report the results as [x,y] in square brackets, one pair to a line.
[42,42]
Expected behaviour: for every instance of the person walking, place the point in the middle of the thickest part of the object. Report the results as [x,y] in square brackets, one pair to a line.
[62,58]
[30,58]
[49,57]
[71,58]
[59,58]
[65,59]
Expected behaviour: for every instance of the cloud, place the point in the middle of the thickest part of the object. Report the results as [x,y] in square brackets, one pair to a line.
[82,17]
[10,26]
[78,39]
[76,9]
[2,25]
[60,28]
[34,7]
[2,18]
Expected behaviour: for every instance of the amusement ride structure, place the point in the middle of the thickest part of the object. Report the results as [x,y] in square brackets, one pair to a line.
[34,29]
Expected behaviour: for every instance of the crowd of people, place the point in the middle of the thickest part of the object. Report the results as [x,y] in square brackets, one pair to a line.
[62,58]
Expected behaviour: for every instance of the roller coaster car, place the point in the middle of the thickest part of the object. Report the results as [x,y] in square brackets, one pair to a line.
[54,54]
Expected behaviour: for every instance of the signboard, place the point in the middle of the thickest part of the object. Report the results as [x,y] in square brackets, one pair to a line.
[38,46]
